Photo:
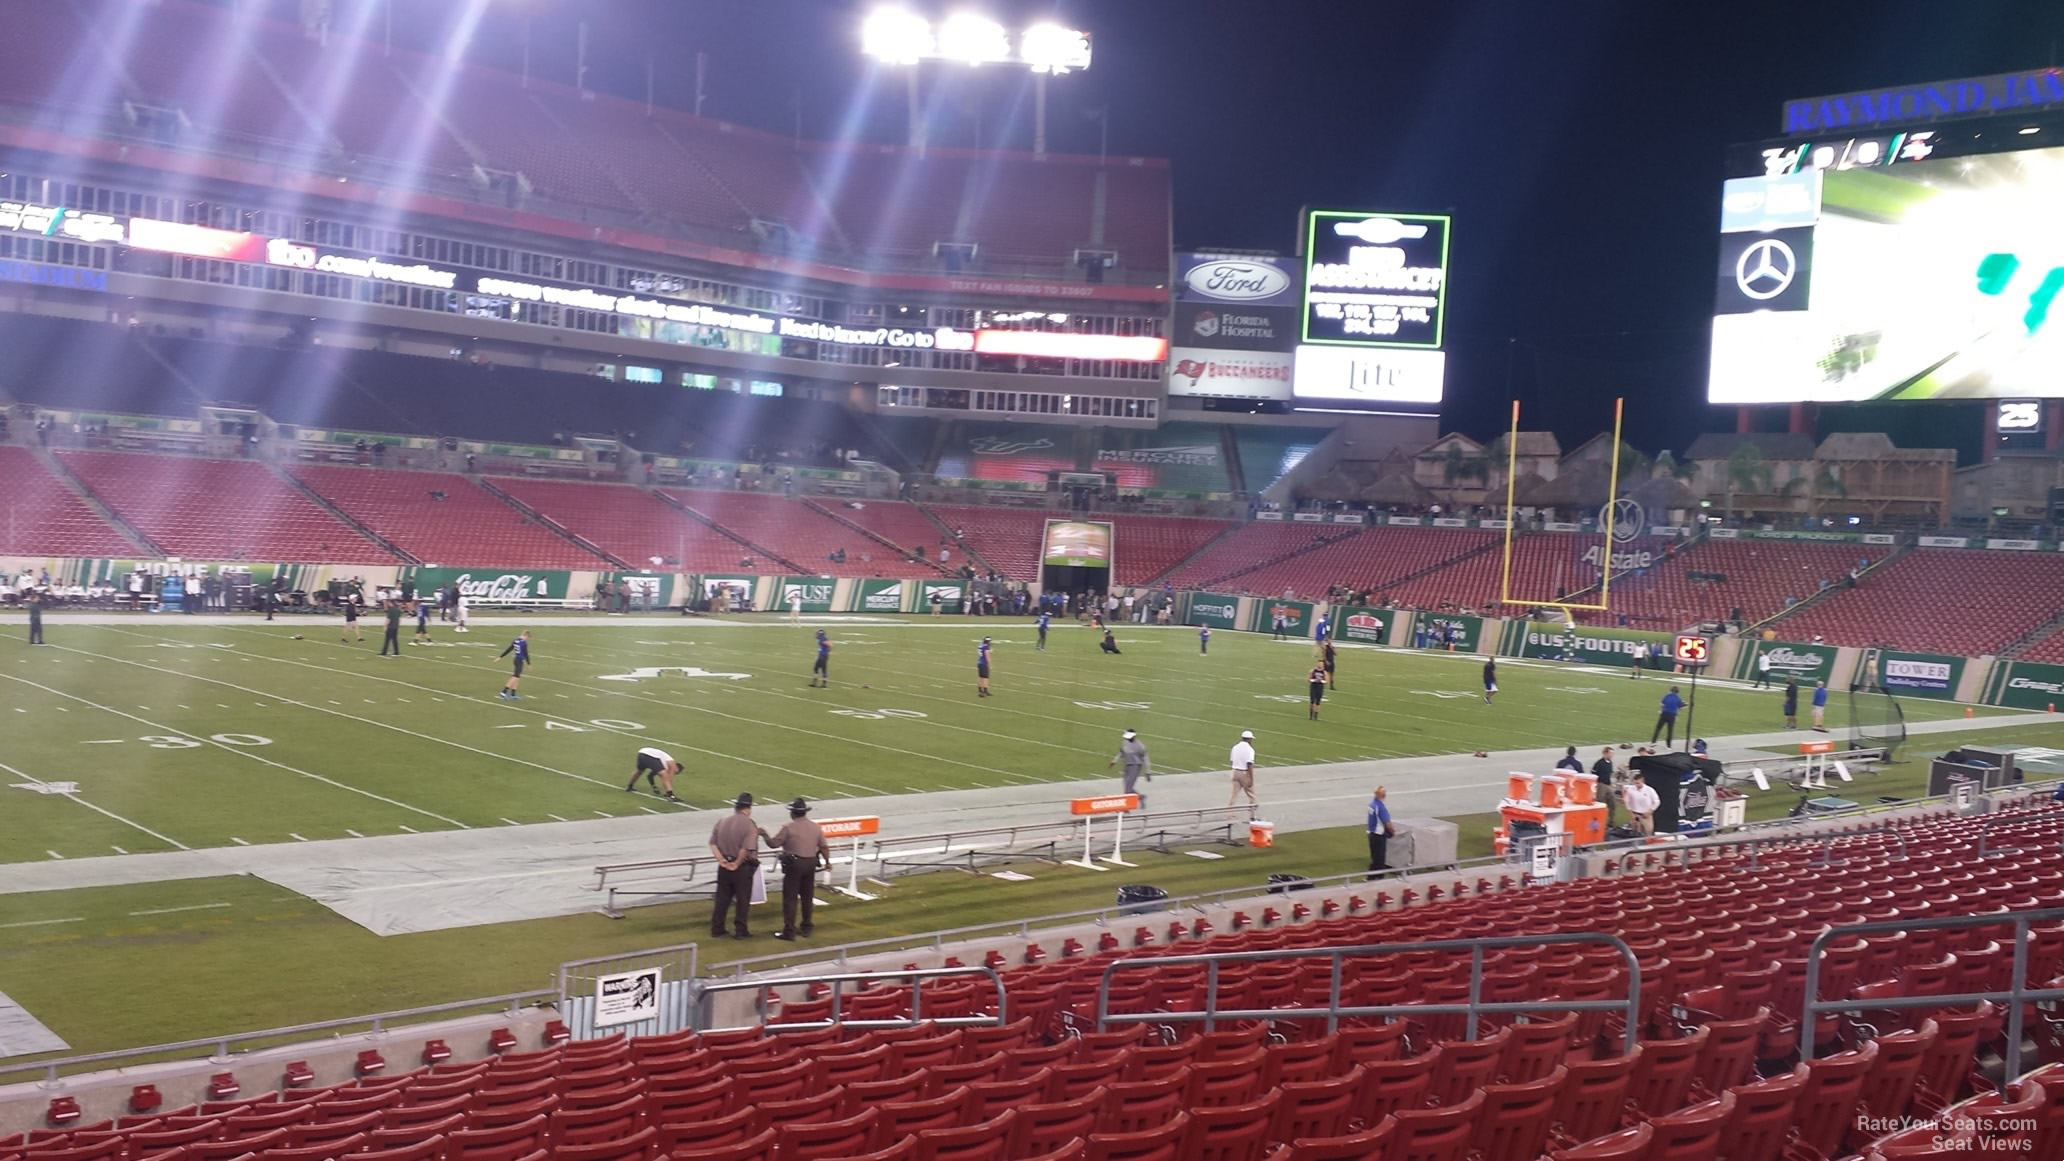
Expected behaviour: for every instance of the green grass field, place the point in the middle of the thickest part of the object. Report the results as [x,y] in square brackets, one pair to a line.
[207,735]
[201,737]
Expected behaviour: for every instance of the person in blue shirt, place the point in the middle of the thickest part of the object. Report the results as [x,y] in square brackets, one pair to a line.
[1820,706]
[521,648]
[1320,633]
[820,673]
[1666,721]
[1204,639]
[422,636]
[1045,620]
[1380,831]
[982,669]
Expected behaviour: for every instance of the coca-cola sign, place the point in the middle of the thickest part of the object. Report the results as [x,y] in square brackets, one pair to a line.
[497,586]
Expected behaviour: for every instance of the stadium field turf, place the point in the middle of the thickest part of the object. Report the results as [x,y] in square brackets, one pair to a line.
[232,954]
[217,735]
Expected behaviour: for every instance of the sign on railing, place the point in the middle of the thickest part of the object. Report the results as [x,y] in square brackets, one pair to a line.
[1088,809]
[854,828]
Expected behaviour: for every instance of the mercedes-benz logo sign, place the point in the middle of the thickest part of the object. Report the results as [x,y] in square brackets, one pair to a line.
[1629,522]
[1765,269]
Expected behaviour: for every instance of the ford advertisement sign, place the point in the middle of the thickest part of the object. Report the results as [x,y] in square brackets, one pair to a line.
[1232,278]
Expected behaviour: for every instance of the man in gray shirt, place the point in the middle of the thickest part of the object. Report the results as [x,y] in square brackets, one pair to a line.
[1132,754]
[735,841]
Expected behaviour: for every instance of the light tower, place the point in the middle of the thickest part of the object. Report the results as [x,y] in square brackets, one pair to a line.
[897,36]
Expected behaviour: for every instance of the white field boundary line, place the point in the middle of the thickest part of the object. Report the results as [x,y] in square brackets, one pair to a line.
[288,701]
[698,709]
[518,707]
[74,796]
[1075,690]
[851,687]
[242,753]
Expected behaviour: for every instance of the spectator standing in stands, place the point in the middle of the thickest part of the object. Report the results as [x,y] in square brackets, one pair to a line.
[735,842]
[1762,671]
[1666,720]
[1642,801]
[1791,703]
[1820,706]
[1132,754]
[803,854]
[1380,831]
[1243,772]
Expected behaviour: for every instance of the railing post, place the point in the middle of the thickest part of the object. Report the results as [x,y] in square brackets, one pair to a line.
[1333,995]
[917,999]
[1806,1025]
[2014,1010]
[1210,994]
[1475,987]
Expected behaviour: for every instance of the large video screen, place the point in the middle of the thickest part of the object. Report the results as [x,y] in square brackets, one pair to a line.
[1904,266]
[1077,544]
[1375,279]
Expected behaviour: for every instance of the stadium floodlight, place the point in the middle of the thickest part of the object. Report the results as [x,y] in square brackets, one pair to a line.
[973,39]
[1050,48]
[897,36]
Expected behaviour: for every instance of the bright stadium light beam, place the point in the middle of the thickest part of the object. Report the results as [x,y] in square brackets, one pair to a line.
[896,36]
[973,39]
[1052,49]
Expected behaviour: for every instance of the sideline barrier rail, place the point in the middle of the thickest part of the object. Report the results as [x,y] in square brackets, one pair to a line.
[996,843]
[704,990]
[224,1047]
[689,888]
[578,981]
[1333,1012]
[2017,994]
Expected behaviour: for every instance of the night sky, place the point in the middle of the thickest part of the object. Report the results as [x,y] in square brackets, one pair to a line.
[1578,142]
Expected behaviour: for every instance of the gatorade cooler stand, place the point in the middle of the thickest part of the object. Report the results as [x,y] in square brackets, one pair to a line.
[1568,805]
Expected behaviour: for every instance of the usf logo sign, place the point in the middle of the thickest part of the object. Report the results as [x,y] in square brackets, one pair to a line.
[493,585]
[948,594]
[1218,610]
[815,591]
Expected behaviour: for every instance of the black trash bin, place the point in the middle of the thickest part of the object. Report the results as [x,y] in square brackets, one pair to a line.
[1141,899]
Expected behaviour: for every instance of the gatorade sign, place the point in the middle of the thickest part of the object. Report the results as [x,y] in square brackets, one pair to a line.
[1108,804]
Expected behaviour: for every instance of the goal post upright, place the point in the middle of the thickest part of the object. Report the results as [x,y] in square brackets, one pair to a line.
[1612,490]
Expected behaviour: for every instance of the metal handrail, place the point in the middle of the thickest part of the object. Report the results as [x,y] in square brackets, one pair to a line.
[221,1044]
[2017,994]
[705,989]
[1333,1012]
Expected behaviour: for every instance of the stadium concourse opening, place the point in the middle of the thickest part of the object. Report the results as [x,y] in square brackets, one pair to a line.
[1076,556]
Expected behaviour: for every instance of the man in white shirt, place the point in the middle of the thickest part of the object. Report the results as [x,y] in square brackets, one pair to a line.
[1642,801]
[795,605]
[658,768]
[1762,671]
[1243,772]
[460,612]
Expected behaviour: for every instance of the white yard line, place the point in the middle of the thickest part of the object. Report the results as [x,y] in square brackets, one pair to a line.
[242,753]
[98,809]
[178,910]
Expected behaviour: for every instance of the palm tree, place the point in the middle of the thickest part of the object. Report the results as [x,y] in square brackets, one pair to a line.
[1460,465]
[1746,472]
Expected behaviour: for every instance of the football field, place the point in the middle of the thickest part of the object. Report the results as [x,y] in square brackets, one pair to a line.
[155,734]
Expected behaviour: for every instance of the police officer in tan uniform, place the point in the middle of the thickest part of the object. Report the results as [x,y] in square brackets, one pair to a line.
[735,843]
[801,843]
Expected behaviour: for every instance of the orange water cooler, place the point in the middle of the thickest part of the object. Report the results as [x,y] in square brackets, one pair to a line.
[1559,803]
